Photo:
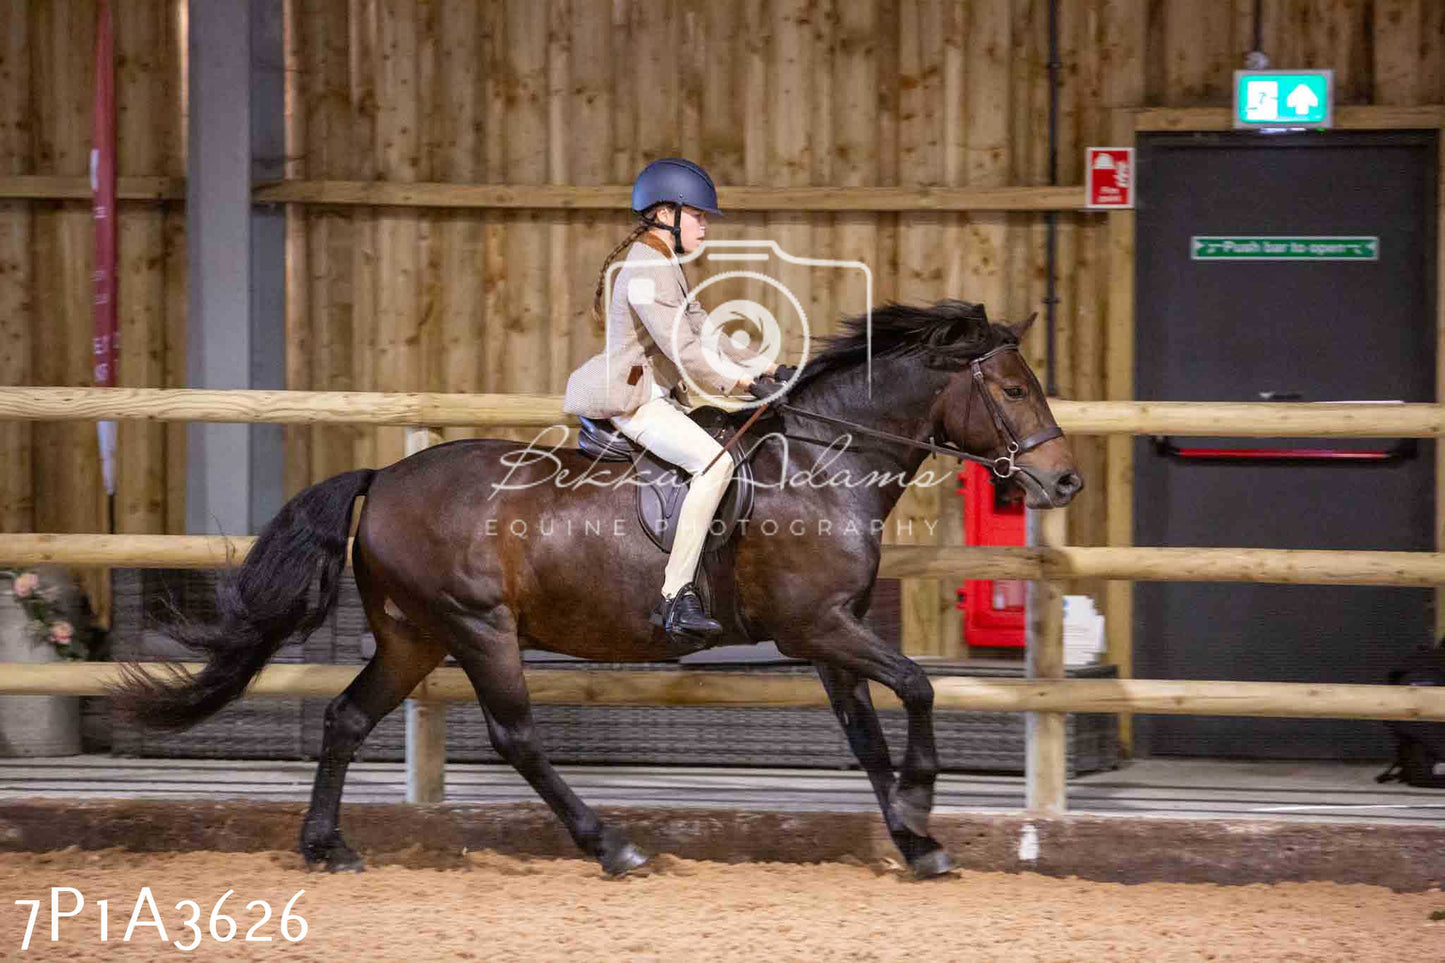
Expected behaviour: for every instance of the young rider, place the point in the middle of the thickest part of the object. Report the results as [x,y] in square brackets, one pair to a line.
[654,346]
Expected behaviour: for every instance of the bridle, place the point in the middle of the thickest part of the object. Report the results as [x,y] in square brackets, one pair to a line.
[1013,446]
[1004,466]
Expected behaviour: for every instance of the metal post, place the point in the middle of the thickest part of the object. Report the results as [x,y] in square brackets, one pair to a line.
[236,328]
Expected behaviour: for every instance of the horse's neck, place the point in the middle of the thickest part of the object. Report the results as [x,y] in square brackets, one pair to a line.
[899,404]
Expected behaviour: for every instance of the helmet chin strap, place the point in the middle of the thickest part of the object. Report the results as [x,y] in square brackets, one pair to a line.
[675,228]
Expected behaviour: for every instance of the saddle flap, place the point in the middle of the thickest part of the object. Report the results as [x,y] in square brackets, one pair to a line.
[660,497]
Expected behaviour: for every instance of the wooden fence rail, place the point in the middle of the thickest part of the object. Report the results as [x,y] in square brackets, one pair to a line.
[1284,566]
[280,407]
[1251,419]
[712,688]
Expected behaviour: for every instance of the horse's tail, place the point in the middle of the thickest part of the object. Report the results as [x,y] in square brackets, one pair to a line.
[266,601]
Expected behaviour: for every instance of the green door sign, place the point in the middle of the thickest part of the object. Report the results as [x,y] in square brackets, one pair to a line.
[1283,98]
[1270,248]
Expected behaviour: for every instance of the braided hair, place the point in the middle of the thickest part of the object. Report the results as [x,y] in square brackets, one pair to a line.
[599,310]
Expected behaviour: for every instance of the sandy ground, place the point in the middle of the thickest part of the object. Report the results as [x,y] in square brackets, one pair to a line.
[420,906]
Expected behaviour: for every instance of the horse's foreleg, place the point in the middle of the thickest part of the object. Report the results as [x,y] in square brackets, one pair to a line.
[403,658]
[845,643]
[490,656]
[853,704]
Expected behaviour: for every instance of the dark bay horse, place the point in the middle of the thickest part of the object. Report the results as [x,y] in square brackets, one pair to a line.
[480,549]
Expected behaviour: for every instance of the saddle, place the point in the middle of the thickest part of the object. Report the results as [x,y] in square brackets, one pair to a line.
[663,485]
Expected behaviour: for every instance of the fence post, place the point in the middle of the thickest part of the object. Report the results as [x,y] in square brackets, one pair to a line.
[1046,761]
[426,720]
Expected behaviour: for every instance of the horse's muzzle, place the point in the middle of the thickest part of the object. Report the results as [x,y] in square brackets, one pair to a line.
[1066,486]
[1049,490]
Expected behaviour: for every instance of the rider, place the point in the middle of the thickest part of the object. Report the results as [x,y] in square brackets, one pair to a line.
[638,380]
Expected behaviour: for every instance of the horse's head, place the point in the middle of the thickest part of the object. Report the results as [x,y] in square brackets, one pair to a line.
[992,405]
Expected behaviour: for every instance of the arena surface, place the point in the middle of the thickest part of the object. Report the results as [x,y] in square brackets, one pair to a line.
[481,878]
[485,906]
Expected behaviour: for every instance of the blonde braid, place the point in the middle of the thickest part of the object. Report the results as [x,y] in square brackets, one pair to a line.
[599,310]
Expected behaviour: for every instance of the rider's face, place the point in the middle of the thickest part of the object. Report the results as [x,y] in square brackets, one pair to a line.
[694,228]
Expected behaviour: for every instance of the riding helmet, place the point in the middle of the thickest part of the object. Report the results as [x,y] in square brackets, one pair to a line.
[673,180]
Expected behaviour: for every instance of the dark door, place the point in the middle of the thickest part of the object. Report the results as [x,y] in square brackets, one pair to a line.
[1332,330]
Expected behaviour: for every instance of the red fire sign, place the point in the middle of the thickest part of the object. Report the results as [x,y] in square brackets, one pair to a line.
[1110,173]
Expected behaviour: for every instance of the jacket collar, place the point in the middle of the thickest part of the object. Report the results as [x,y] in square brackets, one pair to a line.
[657,244]
[663,248]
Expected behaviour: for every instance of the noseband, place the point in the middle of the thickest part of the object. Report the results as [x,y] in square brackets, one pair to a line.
[1013,447]
[1004,466]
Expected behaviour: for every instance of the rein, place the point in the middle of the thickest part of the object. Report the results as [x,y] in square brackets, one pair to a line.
[1003,467]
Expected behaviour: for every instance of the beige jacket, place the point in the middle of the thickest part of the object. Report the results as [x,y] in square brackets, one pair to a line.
[641,350]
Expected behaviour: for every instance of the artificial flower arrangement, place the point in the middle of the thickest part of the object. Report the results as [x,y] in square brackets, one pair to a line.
[47,624]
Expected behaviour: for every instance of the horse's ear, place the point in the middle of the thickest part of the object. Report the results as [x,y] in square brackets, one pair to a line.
[972,328]
[951,346]
[1021,328]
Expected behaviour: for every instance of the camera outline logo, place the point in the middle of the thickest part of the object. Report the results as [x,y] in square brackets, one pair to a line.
[753,252]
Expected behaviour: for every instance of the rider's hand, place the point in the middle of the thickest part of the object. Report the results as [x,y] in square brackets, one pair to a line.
[765,386]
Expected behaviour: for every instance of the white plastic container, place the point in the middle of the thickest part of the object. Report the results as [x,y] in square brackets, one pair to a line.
[32,725]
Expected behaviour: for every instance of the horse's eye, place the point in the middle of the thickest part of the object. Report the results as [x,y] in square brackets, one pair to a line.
[1014,392]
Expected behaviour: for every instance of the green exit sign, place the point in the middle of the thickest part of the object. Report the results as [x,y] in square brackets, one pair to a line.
[1283,98]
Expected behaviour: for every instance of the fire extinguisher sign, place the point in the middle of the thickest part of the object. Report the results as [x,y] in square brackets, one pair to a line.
[1110,174]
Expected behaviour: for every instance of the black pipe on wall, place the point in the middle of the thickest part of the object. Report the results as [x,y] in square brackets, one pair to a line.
[1050,290]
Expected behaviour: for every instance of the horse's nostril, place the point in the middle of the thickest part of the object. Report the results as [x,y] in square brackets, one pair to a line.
[1069,483]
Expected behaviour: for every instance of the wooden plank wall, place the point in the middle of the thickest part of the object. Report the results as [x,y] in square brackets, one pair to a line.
[764,92]
[51,476]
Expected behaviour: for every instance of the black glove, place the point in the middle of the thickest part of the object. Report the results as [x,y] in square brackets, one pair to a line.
[767,387]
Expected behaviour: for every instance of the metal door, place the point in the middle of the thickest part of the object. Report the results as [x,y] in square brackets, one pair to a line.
[1319,330]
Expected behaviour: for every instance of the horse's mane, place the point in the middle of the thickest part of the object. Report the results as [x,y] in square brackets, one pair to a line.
[948,334]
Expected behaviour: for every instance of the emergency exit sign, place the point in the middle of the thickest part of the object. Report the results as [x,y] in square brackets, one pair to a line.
[1283,98]
[1272,248]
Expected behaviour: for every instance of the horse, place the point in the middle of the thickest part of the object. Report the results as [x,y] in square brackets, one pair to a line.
[442,569]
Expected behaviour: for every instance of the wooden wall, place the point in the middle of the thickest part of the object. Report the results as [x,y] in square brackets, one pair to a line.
[763,92]
[50,480]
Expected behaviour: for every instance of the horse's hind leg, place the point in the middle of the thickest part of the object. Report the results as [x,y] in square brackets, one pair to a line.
[489,654]
[853,705]
[403,658]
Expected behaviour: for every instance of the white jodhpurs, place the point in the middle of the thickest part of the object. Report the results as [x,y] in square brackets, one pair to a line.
[666,431]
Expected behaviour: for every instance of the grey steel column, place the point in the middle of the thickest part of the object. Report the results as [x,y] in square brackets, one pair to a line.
[268,252]
[236,326]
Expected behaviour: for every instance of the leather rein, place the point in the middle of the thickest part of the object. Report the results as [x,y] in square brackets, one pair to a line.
[1003,467]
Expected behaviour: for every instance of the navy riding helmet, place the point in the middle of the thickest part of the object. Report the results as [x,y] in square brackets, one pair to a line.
[678,183]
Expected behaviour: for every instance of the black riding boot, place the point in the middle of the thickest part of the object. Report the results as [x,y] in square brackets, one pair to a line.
[684,619]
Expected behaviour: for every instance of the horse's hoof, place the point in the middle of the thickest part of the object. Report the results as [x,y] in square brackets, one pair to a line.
[623,861]
[911,807]
[334,858]
[348,863]
[934,863]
